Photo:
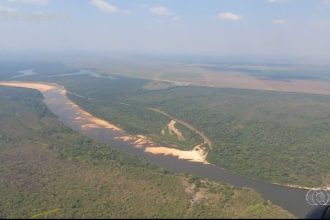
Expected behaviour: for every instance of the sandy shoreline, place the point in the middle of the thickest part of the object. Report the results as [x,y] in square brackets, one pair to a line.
[172,129]
[37,86]
[88,121]
[206,140]
[304,187]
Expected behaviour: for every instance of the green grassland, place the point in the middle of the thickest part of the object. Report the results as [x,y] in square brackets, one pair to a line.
[50,171]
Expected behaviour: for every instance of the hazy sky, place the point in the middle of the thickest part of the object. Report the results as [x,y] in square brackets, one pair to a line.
[270,27]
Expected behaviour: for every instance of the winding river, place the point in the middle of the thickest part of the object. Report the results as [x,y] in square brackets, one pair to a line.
[192,162]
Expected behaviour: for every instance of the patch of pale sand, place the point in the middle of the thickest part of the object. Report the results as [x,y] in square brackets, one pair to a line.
[142,137]
[206,140]
[135,140]
[38,86]
[126,138]
[172,128]
[42,87]
[140,141]
[196,155]
[89,126]
[103,123]
[304,187]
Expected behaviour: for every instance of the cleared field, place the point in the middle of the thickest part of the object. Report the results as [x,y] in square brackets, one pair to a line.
[251,82]
[312,79]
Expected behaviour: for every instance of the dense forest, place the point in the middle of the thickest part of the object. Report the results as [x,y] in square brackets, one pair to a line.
[276,136]
[280,137]
[50,171]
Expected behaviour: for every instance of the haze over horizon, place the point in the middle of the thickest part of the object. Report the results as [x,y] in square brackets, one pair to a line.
[289,28]
[166,109]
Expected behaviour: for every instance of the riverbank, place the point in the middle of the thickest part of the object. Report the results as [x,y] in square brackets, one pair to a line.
[291,199]
[88,121]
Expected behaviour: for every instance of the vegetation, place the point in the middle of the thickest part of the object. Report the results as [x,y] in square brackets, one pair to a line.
[49,171]
[136,119]
[279,137]
[158,85]
[107,102]
[189,138]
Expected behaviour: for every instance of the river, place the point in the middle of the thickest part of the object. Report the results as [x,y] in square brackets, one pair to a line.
[291,199]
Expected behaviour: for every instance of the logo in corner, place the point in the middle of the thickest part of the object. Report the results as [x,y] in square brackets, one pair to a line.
[318,197]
